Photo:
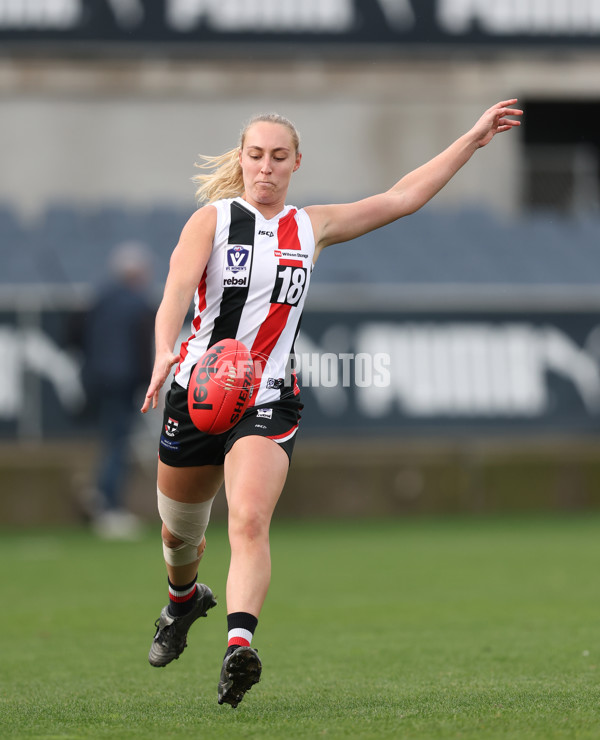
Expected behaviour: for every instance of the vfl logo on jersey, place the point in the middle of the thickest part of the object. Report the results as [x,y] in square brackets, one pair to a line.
[238,258]
[237,266]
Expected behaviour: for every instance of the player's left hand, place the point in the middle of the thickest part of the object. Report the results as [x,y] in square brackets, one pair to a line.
[494,121]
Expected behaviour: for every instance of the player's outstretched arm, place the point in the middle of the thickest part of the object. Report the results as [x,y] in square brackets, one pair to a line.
[186,268]
[338,223]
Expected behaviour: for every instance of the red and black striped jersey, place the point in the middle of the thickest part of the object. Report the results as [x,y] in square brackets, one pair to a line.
[253,289]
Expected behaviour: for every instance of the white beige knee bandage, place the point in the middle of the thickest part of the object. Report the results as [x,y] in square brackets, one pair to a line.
[188,523]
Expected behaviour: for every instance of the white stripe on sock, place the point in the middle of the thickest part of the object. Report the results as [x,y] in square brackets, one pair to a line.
[239,632]
[174,591]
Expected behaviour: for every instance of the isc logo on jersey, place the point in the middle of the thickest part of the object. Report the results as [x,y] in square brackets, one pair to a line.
[237,263]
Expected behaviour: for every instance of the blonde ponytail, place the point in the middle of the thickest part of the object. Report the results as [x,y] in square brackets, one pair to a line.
[224,178]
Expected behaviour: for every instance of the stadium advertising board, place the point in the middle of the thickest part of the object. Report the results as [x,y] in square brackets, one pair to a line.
[331,24]
[451,371]
[375,373]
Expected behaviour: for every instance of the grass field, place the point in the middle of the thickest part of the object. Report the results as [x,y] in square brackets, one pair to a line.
[457,628]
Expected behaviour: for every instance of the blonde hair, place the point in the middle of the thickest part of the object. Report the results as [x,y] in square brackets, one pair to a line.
[223,177]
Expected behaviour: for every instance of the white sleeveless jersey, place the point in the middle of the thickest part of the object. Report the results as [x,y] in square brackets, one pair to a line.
[253,290]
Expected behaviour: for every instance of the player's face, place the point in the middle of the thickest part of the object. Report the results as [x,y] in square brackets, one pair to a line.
[268,159]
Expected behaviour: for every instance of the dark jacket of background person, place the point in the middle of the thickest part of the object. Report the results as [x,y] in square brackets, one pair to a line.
[117,343]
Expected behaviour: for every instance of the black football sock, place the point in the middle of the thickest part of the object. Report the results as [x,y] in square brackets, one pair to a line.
[181,598]
[240,630]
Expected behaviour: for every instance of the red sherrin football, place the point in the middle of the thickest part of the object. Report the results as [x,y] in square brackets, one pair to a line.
[221,386]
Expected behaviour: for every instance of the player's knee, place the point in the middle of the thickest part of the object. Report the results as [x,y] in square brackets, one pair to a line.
[183,528]
[169,540]
[182,553]
[248,525]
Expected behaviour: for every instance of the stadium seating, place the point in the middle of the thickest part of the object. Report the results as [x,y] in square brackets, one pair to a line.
[465,246]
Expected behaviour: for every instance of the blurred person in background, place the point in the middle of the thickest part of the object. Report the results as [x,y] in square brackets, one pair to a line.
[117,342]
[247,258]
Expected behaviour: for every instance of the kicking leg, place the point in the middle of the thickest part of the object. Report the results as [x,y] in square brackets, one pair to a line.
[185,498]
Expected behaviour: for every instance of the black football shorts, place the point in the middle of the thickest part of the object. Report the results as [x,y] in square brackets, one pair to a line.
[182,445]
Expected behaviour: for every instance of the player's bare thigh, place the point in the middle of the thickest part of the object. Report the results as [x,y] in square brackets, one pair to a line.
[191,485]
[255,473]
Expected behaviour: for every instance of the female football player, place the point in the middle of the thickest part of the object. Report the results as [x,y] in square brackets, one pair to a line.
[246,258]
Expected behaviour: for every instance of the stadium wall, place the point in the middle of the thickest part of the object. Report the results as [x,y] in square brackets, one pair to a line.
[42,484]
[129,130]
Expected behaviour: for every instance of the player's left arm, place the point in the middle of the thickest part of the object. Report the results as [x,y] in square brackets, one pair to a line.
[333,224]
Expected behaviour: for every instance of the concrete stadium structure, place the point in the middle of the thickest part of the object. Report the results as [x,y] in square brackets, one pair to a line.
[129,130]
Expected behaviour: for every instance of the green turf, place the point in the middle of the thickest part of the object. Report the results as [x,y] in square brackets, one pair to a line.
[463,628]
